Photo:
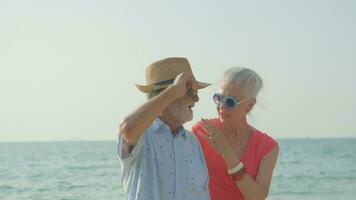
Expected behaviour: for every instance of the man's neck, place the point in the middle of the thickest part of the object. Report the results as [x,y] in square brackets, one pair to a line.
[171,123]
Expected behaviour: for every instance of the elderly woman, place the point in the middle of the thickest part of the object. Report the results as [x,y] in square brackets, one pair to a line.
[239,157]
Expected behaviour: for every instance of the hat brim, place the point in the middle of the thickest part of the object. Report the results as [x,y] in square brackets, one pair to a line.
[150,88]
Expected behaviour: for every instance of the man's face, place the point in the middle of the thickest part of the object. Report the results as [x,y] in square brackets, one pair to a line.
[181,109]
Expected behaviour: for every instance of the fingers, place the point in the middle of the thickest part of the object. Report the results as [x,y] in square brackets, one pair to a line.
[180,85]
[211,141]
[188,79]
[187,84]
[210,128]
[206,129]
[207,138]
[184,78]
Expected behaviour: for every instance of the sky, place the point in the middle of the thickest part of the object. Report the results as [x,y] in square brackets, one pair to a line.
[68,68]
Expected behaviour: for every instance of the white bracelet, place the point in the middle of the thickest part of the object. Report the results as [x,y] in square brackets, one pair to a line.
[235,169]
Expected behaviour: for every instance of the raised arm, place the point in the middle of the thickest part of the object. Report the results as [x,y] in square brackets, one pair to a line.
[133,125]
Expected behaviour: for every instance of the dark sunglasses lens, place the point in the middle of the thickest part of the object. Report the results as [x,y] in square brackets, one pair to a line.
[230,102]
[217,99]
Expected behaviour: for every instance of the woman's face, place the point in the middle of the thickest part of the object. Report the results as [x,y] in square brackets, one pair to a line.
[234,89]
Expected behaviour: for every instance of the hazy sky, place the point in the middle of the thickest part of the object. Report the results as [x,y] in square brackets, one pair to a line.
[68,68]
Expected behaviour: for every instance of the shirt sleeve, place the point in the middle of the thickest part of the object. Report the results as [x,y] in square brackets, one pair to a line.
[134,152]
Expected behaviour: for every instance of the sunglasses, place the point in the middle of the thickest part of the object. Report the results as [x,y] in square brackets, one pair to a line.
[228,101]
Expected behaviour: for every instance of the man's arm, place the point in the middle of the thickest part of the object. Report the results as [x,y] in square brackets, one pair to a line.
[134,125]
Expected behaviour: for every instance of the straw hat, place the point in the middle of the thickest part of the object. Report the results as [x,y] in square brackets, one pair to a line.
[162,73]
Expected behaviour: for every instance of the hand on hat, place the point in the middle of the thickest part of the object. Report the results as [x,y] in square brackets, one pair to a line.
[183,82]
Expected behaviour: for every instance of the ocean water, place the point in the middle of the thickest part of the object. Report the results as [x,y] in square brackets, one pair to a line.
[307,169]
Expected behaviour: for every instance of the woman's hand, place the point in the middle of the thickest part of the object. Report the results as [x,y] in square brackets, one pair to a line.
[217,140]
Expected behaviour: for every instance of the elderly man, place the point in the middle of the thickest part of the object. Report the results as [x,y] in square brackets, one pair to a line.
[160,159]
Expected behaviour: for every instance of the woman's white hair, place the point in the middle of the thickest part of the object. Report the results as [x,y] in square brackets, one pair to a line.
[245,77]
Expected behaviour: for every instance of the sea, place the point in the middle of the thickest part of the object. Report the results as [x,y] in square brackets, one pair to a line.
[307,169]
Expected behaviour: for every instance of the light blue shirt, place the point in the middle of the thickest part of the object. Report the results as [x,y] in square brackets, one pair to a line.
[163,167]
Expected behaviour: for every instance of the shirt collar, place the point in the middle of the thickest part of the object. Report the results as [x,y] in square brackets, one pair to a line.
[158,123]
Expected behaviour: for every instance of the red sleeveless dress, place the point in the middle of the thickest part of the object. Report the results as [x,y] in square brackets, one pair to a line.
[220,184]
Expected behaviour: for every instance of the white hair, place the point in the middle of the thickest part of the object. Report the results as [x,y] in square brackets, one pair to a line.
[248,79]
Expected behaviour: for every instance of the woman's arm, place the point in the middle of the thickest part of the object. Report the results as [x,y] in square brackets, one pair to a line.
[258,190]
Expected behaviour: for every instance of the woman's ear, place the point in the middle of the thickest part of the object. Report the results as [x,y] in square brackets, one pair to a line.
[252,103]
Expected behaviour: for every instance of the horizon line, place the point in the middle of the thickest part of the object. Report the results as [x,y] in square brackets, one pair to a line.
[113,140]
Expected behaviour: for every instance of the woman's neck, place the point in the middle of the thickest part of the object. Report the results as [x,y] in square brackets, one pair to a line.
[240,128]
